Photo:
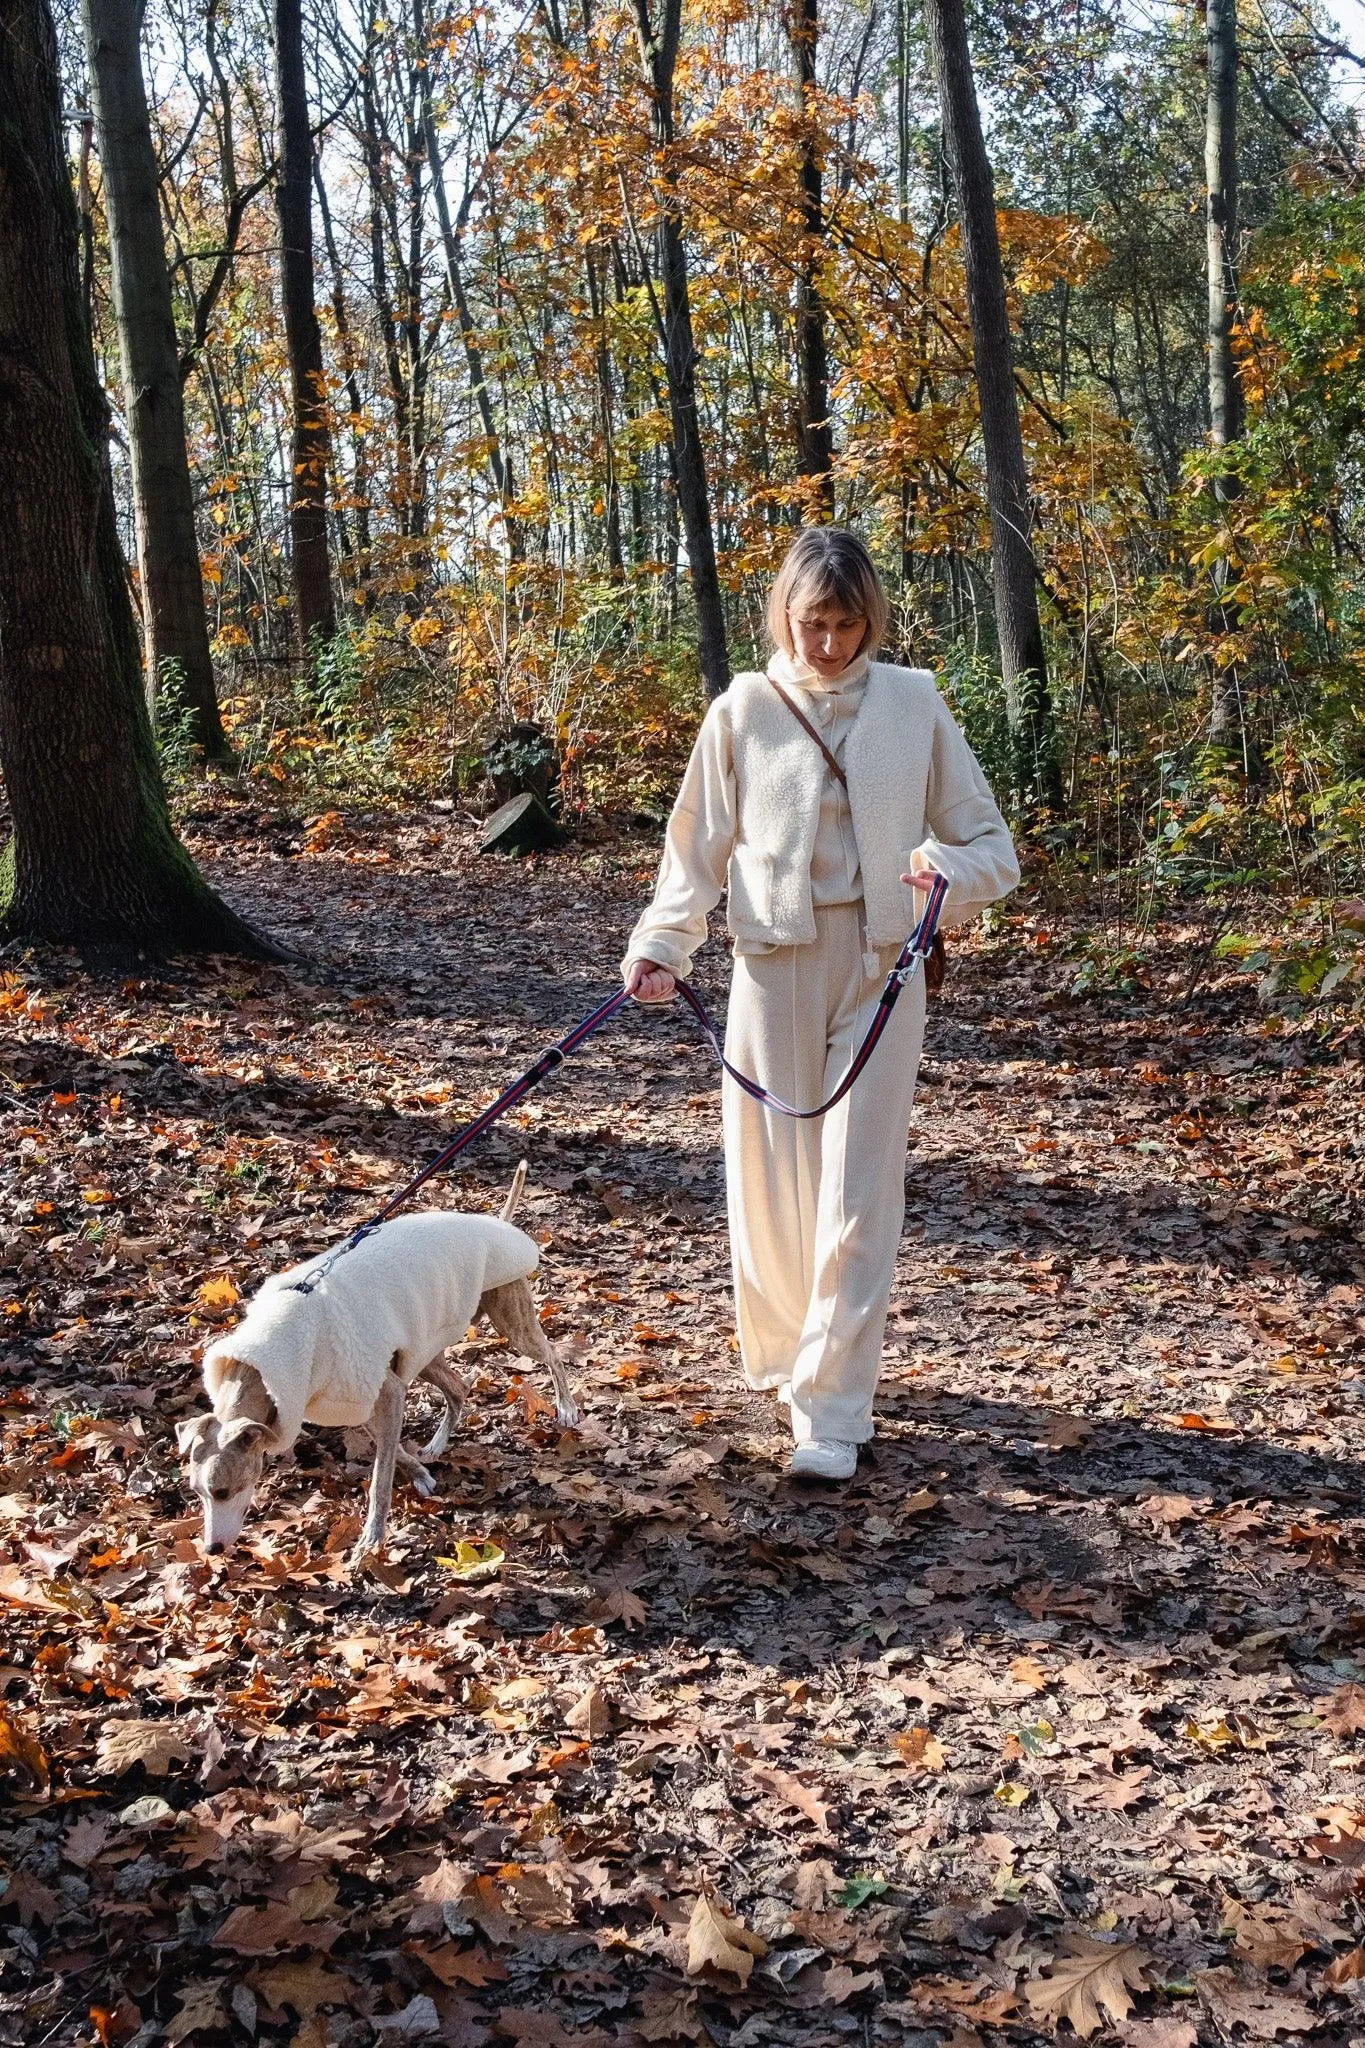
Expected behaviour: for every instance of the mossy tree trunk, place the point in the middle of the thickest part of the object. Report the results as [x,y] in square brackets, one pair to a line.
[93,859]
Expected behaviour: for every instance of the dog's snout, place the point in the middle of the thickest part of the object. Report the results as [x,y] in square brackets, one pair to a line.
[217,1549]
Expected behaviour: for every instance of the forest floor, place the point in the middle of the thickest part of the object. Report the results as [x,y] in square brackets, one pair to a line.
[1055,1715]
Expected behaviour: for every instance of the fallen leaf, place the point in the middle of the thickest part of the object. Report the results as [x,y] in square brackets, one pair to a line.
[670,2015]
[444,1886]
[1347,1969]
[1089,1979]
[1270,1938]
[918,1750]
[1028,1671]
[455,1965]
[1234,1998]
[803,1798]
[716,1940]
[590,1714]
[305,1986]
[217,1294]
[1343,1712]
[417,2021]
[1170,1509]
[201,2010]
[260,1930]
[474,1560]
[156,1745]
[84,1840]
[23,1760]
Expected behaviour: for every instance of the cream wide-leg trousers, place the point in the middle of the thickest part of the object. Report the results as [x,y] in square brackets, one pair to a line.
[816,1208]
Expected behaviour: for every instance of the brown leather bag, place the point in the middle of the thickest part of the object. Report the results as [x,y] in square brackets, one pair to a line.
[936,960]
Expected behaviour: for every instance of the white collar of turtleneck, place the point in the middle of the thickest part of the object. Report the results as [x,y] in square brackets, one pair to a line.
[786,669]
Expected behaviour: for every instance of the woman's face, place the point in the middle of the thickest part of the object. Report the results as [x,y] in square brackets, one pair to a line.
[825,637]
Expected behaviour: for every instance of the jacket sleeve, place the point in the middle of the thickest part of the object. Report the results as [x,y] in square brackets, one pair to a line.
[697,848]
[968,840]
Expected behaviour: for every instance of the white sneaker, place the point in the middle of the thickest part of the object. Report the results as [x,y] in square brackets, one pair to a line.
[824,1461]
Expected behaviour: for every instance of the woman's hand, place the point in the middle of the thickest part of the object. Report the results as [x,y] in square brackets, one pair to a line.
[650,983]
[923,878]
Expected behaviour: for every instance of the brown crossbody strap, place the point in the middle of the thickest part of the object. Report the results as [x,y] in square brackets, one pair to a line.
[936,965]
[799,715]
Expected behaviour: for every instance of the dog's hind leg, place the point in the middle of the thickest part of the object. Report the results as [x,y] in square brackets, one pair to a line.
[512,1312]
[386,1427]
[453,1393]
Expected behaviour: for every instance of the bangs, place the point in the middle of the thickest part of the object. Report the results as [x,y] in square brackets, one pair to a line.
[828,565]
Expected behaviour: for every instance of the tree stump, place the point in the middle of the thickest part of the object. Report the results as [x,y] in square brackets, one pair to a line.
[523,826]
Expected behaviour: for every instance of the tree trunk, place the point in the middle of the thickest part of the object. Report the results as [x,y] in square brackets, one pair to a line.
[163,498]
[311,443]
[1227,723]
[1013,572]
[93,859]
[1220,172]
[814,441]
[659,56]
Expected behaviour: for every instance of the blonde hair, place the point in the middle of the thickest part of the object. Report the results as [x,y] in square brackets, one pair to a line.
[828,565]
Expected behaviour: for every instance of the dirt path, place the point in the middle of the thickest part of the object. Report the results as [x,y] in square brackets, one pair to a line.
[1061,1695]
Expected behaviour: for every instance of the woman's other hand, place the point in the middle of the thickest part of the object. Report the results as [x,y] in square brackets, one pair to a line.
[923,878]
[650,983]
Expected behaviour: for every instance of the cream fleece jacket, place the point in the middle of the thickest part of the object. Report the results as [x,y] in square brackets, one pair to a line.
[749,808]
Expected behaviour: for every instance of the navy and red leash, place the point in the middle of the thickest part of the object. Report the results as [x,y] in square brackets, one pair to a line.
[908,962]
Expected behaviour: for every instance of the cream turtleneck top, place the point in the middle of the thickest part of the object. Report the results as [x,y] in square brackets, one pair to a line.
[831,707]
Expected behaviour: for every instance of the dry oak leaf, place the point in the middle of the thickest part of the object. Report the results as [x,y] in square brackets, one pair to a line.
[1168,1508]
[454,1965]
[1268,1937]
[156,1745]
[1113,1794]
[670,2016]
[918,1750]
[304,1986]
[794,1792]
[23,1760]
[443,1886]
[85,1839]
[1234,1998]
[201,2010]
[531,2029]
[716,1940]
[1347,1969]
[1089,1979]
[1028,1671]
[1343,1712]
[590,1714]
[260,1930]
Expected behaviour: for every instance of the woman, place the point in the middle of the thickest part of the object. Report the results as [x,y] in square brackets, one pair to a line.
[823,839]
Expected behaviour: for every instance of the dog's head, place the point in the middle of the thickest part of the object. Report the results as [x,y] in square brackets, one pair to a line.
[225,1461]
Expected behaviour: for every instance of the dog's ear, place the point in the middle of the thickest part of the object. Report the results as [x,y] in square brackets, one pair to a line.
[191,1431]
[246,1435]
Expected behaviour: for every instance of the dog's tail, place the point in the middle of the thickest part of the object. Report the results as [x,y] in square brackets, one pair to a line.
[509,1207]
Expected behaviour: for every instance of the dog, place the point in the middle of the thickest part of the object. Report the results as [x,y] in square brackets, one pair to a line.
[344,1353]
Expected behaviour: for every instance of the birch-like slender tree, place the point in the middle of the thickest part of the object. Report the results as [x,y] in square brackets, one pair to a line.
[1014,573]
[658,44]
[311,436]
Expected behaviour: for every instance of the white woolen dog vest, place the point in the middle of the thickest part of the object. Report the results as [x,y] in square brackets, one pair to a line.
[405,1293]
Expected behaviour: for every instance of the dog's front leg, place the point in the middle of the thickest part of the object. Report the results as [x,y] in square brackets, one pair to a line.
[386,1427]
